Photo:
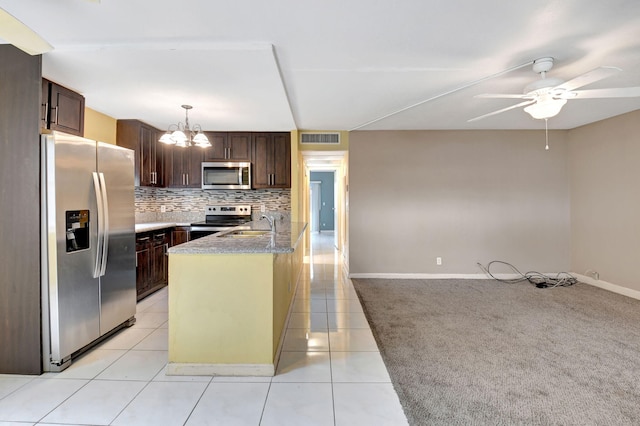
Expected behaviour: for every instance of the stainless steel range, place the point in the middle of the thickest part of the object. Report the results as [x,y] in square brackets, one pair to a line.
[221,218]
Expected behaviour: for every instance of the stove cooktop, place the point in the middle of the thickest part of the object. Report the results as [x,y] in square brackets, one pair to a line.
[226,216]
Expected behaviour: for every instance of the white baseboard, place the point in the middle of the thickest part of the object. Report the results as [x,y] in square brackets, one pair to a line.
[635,294]
[395,276]
[193,369]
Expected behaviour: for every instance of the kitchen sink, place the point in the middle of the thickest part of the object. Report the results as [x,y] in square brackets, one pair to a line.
[244,233]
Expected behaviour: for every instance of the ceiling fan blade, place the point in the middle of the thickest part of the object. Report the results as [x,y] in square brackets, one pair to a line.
[503,96]
[521,104]
[619,92]
[21,36]
[588,78]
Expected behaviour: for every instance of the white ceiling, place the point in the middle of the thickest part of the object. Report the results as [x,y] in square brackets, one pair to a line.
[332,64]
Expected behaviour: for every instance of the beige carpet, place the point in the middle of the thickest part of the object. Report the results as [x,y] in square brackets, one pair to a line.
[479,352]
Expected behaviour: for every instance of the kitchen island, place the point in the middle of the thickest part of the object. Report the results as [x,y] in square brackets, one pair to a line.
[229,297]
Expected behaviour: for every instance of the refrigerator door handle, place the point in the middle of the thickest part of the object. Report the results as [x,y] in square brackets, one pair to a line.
[105,228]
[98,192]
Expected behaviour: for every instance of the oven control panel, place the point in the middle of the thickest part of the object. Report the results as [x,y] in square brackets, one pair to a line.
[236,210]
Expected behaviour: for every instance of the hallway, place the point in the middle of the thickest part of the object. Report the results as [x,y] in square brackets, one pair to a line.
[330,371]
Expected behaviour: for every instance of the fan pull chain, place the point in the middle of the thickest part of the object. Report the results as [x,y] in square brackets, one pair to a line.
[546,134]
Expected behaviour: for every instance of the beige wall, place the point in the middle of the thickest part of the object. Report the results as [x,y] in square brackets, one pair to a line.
[465,196]
[98,126]
[605,201]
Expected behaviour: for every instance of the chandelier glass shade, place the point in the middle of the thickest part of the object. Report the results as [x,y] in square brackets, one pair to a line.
[184,136]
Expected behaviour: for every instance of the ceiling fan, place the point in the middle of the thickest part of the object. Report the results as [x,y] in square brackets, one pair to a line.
[21,36]
[545,98]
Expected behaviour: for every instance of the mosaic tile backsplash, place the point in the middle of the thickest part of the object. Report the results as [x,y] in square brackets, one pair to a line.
[187,205]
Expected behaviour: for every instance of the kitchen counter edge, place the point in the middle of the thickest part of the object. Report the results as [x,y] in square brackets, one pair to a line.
[154,226]
[285,240]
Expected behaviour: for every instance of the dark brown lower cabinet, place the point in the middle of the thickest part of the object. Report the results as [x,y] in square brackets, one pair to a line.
[180,234]
[152,266]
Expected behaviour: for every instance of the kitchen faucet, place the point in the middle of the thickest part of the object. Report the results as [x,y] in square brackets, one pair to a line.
[271,220]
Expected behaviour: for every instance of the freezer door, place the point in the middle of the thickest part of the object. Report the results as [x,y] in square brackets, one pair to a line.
[118,284]
[72,292]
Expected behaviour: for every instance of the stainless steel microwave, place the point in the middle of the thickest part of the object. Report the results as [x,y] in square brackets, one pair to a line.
[226,175]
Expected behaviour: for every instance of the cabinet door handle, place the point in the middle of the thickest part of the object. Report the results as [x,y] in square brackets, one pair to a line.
[158,236]
[187,174]
[142,239]
[56,119]
[46,112]
[166,249]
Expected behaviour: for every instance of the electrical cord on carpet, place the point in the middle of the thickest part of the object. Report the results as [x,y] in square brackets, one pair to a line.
[562,279]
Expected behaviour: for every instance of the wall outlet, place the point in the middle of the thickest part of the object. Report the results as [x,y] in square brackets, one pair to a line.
[262,208]
[163,209]
[438,261]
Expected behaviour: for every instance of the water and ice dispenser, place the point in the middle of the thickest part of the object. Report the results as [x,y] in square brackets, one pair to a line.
[77,224]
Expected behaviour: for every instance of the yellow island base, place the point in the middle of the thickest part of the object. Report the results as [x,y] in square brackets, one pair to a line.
[227,311]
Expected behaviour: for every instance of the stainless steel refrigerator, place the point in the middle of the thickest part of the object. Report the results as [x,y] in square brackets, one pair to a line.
[88,244]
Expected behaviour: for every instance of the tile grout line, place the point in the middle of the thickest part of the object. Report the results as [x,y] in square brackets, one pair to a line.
[148,381]
[63,401]
[198,401]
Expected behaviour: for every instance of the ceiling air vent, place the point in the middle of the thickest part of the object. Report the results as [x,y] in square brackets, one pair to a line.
[320,138]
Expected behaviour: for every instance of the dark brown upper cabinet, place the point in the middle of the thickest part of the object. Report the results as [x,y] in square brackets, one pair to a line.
[271,160]
[149,153]
[231,146]
[62,109]
[183,167]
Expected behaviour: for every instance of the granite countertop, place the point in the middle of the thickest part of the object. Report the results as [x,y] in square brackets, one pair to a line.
[284,240]
[153,226]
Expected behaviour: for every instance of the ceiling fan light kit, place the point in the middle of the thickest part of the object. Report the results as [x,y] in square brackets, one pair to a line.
[544,98]
[545,108]
[184,136]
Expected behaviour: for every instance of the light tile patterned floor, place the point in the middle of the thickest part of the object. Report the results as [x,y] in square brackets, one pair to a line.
[330,371]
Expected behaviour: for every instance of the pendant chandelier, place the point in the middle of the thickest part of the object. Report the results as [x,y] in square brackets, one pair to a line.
[183,136]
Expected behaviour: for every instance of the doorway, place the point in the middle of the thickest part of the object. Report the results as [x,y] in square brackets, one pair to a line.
[334,224]
[323,201]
